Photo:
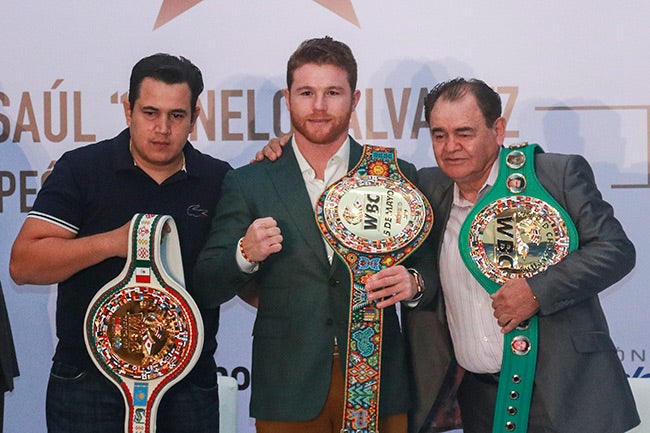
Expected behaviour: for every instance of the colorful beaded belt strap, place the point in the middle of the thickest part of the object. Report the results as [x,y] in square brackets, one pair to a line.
[516,230]
[374,218]
[143,330]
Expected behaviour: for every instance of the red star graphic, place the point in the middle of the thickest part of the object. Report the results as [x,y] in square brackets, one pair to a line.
[170,9]
[342,8]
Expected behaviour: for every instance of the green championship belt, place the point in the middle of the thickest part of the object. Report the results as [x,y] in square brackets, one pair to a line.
[373,218]
[516,230]
[142,330]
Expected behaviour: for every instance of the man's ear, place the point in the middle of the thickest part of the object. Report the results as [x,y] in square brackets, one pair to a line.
[500,129]
[356,96]
[195,115]
[127,111]
[287,101]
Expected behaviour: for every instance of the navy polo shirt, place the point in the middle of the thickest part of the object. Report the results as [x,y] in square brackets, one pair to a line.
[97,188]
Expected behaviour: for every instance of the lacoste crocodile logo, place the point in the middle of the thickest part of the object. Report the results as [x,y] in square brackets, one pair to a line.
[196,211]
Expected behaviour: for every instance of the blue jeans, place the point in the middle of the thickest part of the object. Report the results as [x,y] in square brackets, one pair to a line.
[85,401]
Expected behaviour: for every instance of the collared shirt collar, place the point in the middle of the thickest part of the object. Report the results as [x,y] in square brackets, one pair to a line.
[460,201]
[123,160]
[342,156]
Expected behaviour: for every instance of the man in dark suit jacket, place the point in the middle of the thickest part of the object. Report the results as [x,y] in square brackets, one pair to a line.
[580,385]
[8,362]
[265,232]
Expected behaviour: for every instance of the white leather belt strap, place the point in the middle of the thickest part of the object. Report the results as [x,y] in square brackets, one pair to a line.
[142,330]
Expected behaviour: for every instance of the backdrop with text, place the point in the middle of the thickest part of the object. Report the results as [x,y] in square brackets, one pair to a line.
[571,76]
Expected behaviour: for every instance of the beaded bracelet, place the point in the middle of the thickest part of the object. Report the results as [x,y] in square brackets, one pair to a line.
[243,253]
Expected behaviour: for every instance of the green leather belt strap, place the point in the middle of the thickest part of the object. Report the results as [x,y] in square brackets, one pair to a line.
[374,218]
[516,230]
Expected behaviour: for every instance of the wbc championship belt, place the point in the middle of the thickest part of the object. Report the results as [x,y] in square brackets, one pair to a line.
[373,218]
[516,230]
[142,329]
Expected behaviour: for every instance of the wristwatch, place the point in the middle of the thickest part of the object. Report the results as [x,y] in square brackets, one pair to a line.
[419,283]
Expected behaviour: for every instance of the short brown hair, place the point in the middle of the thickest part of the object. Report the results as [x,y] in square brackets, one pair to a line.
[323,51]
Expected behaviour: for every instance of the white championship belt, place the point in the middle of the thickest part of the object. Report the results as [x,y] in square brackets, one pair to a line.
[142,330]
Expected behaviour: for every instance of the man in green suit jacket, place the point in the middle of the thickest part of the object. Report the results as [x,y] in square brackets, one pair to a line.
[264,232]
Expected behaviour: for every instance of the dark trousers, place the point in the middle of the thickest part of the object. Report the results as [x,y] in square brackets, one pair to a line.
[85,401]
[477,398]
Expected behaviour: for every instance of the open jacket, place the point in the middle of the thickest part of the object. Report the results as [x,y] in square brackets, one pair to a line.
[579,376]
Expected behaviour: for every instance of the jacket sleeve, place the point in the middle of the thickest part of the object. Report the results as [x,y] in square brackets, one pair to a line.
[423,259]
[216,273]
[604,255]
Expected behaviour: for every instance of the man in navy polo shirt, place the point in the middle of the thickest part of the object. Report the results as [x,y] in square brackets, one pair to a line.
[76,235]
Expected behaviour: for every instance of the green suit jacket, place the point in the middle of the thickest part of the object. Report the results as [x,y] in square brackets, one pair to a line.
[303,300]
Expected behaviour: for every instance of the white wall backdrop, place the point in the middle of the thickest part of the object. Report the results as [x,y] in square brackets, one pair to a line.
[573,77]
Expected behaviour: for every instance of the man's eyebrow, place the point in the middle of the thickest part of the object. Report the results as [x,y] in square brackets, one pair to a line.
[460,129]
[308,87]
[173,110]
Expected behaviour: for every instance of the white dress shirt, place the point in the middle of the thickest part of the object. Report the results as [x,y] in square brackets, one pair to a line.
[477,338]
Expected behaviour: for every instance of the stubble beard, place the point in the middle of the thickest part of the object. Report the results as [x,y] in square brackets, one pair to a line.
[337,127]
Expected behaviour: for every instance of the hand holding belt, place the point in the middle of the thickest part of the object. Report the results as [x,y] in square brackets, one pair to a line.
[142,330]
[374,218]
[516,230]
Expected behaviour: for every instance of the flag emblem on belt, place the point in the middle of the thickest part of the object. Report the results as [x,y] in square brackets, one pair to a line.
[142,275]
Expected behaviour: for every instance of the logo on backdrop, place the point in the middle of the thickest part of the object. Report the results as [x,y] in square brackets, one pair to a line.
[342,8]
[635,361]
[170,9]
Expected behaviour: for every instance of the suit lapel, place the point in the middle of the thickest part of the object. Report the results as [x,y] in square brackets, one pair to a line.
[355,154]
[287,178]
[446,198]
[439,190]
